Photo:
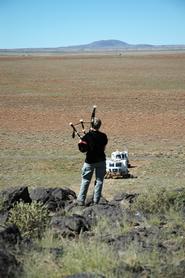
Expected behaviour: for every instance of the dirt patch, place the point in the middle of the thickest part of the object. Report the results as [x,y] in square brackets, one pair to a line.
[135,95]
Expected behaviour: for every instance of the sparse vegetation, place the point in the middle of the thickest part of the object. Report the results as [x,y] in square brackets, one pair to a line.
[88,256]
[159,200]
[152,201]
[31,219]
[93,256]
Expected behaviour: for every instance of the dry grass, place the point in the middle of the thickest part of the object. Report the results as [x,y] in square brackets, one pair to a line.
[140,98]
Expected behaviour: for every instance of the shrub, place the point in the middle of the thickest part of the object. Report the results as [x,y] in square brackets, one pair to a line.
[153,201]
[31,219]
[177,199]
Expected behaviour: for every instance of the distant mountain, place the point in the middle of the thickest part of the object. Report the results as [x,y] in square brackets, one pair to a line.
[96,46]
[102,45]
[108,44]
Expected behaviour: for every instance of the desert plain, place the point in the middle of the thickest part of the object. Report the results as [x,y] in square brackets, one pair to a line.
[140,98]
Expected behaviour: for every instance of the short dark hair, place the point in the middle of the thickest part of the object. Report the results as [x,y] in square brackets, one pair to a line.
[96,123]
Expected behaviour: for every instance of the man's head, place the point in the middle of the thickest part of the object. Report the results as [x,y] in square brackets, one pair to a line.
[96,123]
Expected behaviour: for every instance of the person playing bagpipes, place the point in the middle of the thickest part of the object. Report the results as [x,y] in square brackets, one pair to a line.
[93,143]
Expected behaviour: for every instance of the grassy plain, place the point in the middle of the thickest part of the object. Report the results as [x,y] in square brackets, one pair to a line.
[139,97]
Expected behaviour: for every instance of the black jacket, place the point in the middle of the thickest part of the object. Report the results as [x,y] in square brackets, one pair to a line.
[96,141]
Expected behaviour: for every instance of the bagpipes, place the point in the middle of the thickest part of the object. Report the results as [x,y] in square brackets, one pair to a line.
[82,145]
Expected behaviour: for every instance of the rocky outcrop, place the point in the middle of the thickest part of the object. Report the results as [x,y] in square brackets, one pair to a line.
[53,198]
[69,226]
[69,220]
[10,236]
[13,195]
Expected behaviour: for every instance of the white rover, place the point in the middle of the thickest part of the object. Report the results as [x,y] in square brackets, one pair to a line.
[117,165]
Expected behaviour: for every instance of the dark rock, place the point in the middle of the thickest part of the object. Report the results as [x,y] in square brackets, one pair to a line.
[54,198]
[69,226]
[74,208]
[113,213]
[125,268]
[129,197]
[143,238]
[3,217]
[9,266]
[56,252]
[89,201]
[174,269]
[86,275]
[13,195]
[119,242]
[65,194]
[44,196]
[10,235]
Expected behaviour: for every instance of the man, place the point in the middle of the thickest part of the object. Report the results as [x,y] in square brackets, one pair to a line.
[95,161]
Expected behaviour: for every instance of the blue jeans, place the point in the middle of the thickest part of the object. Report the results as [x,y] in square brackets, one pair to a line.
[87,173]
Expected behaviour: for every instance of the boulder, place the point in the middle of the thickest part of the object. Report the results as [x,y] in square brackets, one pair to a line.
[123,196]
[10,235]
[113,213]
[69,226]
[89,201]
[13,195]
[9,266]
[54,198]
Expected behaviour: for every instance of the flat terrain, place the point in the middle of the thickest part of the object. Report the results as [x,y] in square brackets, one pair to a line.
[140,99]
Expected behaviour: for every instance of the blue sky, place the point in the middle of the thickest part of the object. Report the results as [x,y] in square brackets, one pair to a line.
[54,23]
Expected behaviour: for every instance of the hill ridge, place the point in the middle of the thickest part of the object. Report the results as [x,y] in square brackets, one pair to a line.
[99,45]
